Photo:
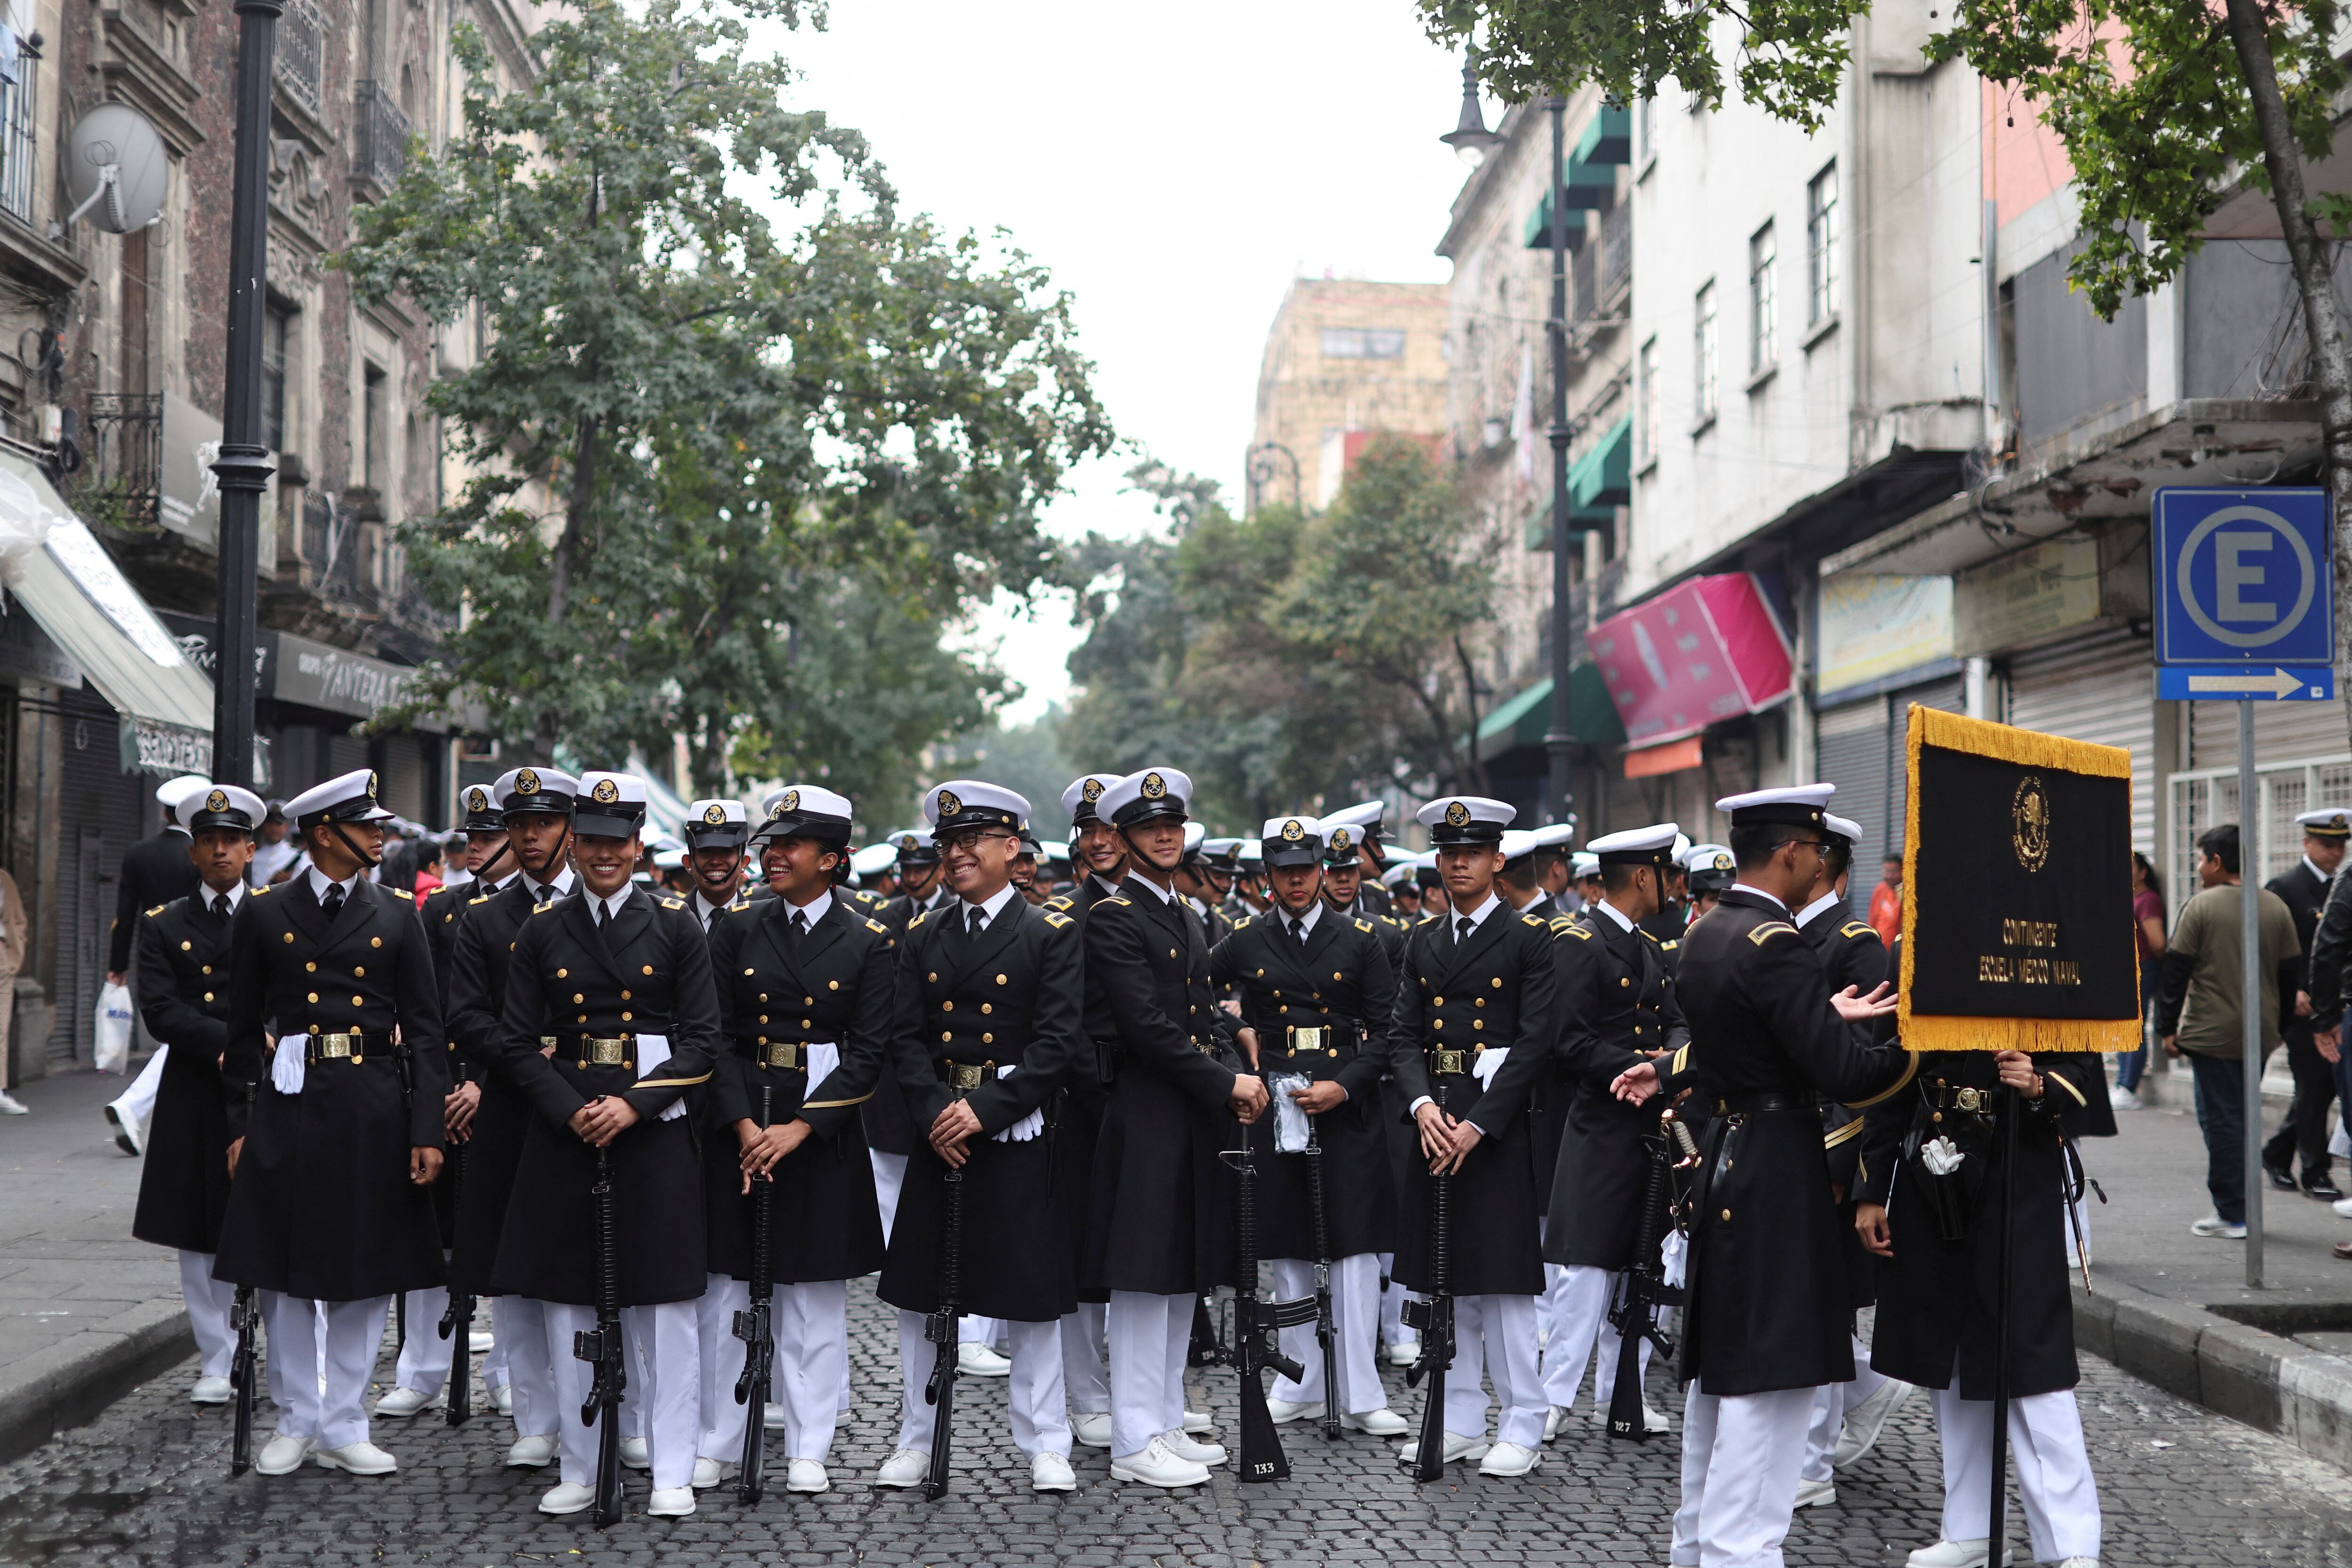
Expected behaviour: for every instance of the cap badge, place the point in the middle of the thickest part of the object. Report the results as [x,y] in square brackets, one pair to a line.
[1722,862]
[1293,830]
[791,802]
[714,814]
[606,793]
[526,783]
[475,800]
[1457,814]
[1092,790]
[371,788]
[216,801]
[2029,817]
[948,803]
[1154,786]
[1340,840]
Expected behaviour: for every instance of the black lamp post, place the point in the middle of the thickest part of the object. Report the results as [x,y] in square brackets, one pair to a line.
[1558,738]
[243,467]
[1470,138]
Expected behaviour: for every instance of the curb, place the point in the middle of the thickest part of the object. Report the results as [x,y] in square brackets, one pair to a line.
[69,1382]
[2263,1379]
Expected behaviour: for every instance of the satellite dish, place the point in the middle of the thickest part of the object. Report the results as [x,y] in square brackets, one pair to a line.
[117,170]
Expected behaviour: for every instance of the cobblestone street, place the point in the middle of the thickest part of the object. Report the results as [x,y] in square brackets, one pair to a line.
[148,1483]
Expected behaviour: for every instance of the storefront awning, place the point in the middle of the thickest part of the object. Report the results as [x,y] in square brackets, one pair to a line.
[1523,720]
[1705,650]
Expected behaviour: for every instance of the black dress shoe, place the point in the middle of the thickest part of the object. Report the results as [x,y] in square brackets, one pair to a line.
[2280,1176]
[2324,1190]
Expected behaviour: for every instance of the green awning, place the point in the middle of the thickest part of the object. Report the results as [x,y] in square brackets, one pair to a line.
[1523,720]
[1603,480]
[1608,138]
[1590,188]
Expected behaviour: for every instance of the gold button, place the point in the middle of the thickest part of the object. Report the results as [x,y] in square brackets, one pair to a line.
[806,1024]
[747,974]
[1496,982]
[763,996]
[833,985]
[1727,1213]
[311,967]
[946,1035]
[649,969]
[1261,975]
[1437,1001]
[358,1001]
[357,973]
[290,937]
[314,995]
[626,1016]
[947,1006]
[1277,993]
[1335,975]
[1478,1001]
[988,1039]
[584,1018]
[185,946]
[933,977]
[208,996]
[1437,1023]
[1477,1023]
[1171,953]
[764,1017]
[566,974]
[1622,980]
[576,997]
[808,1001]
[988,1008]
[625,995]
[1000,980]
[375,941]
[208,969]
[1285,1007]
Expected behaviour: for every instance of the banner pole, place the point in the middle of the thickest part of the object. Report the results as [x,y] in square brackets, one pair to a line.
[2252,981]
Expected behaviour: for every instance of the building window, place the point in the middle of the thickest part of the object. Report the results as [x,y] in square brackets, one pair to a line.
[276,326]
[135,297]
[1645,406]
[1763,303]
[1821,247]
[1363,342]
[1645,131]
[375,435]
[1706,357]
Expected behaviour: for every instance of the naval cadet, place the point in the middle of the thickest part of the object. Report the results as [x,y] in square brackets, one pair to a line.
[534,808]
[184,998]
[1025,866]
[336,1133]
[619,978]
[1766,1321]
[920,885]
[1617,1008]
[155,870]
[717,835]
[986,1028]
[2303,887]
[1157,1231]
[1317,999]
[1476,1016]
[804,1010]
[1707,872]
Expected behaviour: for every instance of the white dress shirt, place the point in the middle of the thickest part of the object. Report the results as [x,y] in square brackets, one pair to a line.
[995,904]
[1818,907]
[321,882]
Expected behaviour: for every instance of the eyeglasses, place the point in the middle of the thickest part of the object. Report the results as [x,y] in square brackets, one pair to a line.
[970,839]
[1815,845]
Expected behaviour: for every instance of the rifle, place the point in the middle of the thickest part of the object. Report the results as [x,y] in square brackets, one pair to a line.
[752,1327]
[1326,1338]
[404,1070]
[458,1319]
[244,1316]
[1635,1316]
[1433,1316]
[601,1348]
[1254,1347]
[943,1328]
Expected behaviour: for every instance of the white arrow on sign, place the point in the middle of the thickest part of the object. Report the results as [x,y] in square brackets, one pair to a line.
[2277,683]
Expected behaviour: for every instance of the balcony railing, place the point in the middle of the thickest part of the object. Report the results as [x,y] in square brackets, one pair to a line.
[379,137]
[332,554]
[19,113]
[1616,257]
[300,57]
[122,482]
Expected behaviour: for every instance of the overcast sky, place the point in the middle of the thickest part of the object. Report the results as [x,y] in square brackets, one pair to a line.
[1175,167]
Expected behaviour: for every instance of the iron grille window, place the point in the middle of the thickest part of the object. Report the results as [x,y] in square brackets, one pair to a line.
[1706,355]
[1763,300]
[276,325]
[18,115]
[1821,247]
[379,135]
[297,61]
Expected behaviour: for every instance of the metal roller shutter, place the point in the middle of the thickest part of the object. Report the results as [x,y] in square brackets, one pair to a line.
[100,812]
[1859,748]
[2102,689]
[2284,732]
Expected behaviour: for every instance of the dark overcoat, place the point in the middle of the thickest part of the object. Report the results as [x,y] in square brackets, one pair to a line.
[184,998]
[480,950]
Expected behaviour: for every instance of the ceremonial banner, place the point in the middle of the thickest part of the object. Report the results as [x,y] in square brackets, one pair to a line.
[2017,928]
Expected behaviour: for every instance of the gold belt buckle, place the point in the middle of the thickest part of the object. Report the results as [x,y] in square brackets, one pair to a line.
[1449,1061]
[965,1076]
[339,1047]
[1973,1100]
[779,1054]
[1315,1038]
[608,1053]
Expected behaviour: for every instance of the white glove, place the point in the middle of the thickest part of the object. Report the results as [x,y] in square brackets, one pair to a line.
[1289,1121]
[1029,1126]
[1487,1063]
[651,1051]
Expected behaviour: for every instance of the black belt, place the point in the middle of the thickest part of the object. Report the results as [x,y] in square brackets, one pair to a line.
[1770,1099]
[349,1046]
[1307,1041]
[584,1051]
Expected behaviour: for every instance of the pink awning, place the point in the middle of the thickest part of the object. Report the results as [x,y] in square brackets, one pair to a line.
[1702,651]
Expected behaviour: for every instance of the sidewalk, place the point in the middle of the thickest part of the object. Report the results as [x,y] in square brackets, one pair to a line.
[86,1313]
[2175,1308]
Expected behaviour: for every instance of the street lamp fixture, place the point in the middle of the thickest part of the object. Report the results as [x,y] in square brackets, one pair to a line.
[1470,139]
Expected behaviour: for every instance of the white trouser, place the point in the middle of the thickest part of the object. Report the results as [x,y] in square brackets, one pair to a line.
[1032,1395]
[1355,1307]
[520,1327]
[811,1326]
[1394,1297]
[278,1357]
[347,1349]
[2052,1469]
[1084,1377]
[1740,1456]
[209,1300]
[1499,1333]
[1831,1401]
[1581,1327]
[664,1385]
[136,1103]
[425,1357]
[1147,1337]
[494,1360]
[889,1176]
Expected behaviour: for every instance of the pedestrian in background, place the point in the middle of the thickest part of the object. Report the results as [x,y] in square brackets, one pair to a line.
[2147,932]
[1886,900]
[2204,987]
[2302,1136]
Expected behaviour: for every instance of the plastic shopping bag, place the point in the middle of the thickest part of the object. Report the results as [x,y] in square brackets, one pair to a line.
[113,1028]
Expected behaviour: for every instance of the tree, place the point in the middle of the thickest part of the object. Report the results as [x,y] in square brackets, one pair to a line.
[688,422]
[2161,107]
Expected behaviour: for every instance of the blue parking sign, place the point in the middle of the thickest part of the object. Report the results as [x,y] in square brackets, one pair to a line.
[2243,576]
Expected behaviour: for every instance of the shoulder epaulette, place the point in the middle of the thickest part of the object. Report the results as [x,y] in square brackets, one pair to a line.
[1649,936]
[1122,903]
[1769,930]
[1536,921]
[1058,921]
[543,909]
[402,893]
[1561,922]
[1431,919]
[1670,946]
[1243,923]
[158,909]
[1363,925]
[1570,928]
[671,903]
[742,904]
[877,928]
[256,892]
[919,920]
[1857,929]
[1060,901]
[483,899]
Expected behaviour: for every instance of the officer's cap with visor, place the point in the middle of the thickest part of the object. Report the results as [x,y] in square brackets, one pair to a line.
[549,792]
[172,794]
[1710,868]
[222,805]
[1291,841]
[1845,827]
[1029,844]
[669,855]
[1084,794]
[962,805]
[482,811]
[1516,844]
[812,811]
[1799,805]
[339,802]
[1195,835]
[2329,822]
[1223,855]
[1459,819]
[873,860]
[1653,846]
[1343,832]
[1582,863]
[914,846]
[716,823]
[1149,795]
[1362,822]
[610,806]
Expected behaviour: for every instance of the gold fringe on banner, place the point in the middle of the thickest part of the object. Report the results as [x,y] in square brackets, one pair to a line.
[1980,737]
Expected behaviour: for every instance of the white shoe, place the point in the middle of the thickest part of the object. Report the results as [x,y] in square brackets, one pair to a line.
[635,1454]
[772,1417]
[904,1467]
[1866,1420]
[1457,1446]
[479,1341]
[1381,1423]
[1510,1459]
[565,1497]
[808,1476]
[1951,1554]
[976,1359]
[1090,1428]
[11,1106]
[1197,1422]
[1284,1411]
[359,1459]
[405,1402]
[282,1456]
[2343,1206]
[1052,1473]
[2215,1225]
[1817,1494]
[502,1398]
[1158,1465]
[670,1503]
[1653,1418]
[127,1130]
[2079,1563]
[1183,1446]
[1404,1352]
[210,1391]
[1555,1417]
[707,1474]
[532,1453]
[2123,1099]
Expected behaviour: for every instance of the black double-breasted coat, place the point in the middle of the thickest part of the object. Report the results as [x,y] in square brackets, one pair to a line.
[645,972]
[1079,1108]
[889,1127]
[183,998]
[1009,998]
[1616,1008]
[1495,990]
[322,1207]
[1767,1276]
[1851,954]
[1339,979]
[155,870]
[480,949]
[833,984]
[1157,1219]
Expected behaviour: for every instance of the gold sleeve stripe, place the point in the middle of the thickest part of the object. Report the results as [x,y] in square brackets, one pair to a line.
[2061,1081]
[836,1104]
[1910,1071]
[1682,1058]
[1846,1135]
[669,1082]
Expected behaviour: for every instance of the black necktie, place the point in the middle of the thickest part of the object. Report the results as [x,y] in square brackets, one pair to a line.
[220,905]
[799,926]
[600,912]
[1463,929]
[979,918]
[332,904]
[1299,930]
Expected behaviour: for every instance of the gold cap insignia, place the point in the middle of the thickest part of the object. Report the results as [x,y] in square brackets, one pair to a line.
[606,792]
[715,814]
[1722,862]
[216,801]
[1293,830]
[1092,790]
[475,800]
[1457,814]
[948,803]
[1339,839]
[370,789]
[526,783]
[1154,786]
[791,802]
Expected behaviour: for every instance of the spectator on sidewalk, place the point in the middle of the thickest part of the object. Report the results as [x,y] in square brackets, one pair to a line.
[13,927]
[275,854]
[1886,900]
[2303,887]
[2148,930]
[2204,990]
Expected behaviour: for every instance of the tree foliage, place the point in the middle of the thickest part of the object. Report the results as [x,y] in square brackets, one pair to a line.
[731,412]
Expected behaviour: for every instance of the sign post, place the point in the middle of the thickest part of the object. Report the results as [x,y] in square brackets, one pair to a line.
[2245,612]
